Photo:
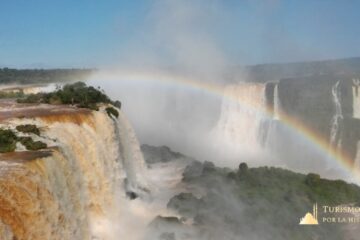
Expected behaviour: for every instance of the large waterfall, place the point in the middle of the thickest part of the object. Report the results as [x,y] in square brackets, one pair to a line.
[242,112]
[74,188]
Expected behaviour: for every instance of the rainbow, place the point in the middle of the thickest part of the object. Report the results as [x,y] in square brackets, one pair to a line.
[216,89]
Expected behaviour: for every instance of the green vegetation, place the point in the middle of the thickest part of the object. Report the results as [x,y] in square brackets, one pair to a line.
[30,144]
[31,98]
[14,94]
[117,104]
[276,184]
[27,76]
[28,128]
[112,111]
[243,168]
[78,94]
[267,201]
[8,139]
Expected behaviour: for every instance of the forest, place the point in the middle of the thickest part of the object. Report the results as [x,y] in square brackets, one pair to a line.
[30,76]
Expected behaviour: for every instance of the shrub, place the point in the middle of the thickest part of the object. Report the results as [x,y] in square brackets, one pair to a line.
[243,167]
[30,144]
[112,111]
[208,166]
[12,94]
[117,104]
[7,140]
[312,179]
[243,171]
[28,128]
[78,94]
[89,106]
[31,98]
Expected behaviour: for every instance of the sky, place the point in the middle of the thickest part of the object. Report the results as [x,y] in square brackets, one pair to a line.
[93,33]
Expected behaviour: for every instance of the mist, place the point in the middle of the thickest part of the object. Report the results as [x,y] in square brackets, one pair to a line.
[164,110]
[171,79]
[176,48]
[163,82]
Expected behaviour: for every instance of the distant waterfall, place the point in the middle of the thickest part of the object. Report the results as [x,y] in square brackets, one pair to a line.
[277,108]
[337,120]
[356,114]
[356,97]
[242,112]
[76,191]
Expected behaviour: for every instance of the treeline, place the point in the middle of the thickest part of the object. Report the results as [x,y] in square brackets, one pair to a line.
[29,76]
[277,71]
[262,202]
[78,94]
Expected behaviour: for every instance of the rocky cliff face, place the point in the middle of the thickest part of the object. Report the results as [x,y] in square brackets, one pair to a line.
[325,104]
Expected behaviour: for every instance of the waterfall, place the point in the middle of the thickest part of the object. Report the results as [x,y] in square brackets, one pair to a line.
[277,108]
[356,98]
[130,153]
[337,120]
[356,114]
[71,192]
[243,109]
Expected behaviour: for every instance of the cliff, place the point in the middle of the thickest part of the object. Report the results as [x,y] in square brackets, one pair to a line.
[275,71]
[312,114]
[250,203]
[69,189]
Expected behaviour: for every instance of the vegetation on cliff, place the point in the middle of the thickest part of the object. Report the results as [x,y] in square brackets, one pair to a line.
[112,112]
[30,144]
[276,184]
[78,94]
[251,203]
[260,203]
[15,94]
[9,138]
[28,128]
[27,76]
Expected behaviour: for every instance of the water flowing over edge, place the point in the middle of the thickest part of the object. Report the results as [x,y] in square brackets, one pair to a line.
[73,193]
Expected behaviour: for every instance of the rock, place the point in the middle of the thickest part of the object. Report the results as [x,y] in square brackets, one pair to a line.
[186,204]
[193,170]
[161,154]
[208,166]
[131,195]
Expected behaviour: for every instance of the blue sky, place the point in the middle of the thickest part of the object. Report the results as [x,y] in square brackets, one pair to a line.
[94,33]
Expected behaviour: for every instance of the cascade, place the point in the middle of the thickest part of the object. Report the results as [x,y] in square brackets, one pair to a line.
[242,112]
[337,120]
[356,114]
[277,108]
[356,98]
[68,190]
